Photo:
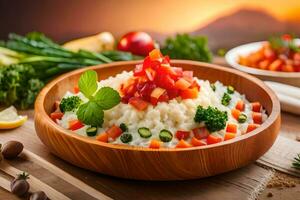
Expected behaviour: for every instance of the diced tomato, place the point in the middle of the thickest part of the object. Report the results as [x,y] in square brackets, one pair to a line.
[114,132]
[195,85]
[155,144]
[139,70]
[172,93]
[76,89]
[155,54]
[75,124]
[257,117]
[56,115]
[229,136]
[235,113]
[145,90]
[240,105]
[252,127]
[164,97]
[165,60]
[103,137]
[287,37]
[138,103]
[183,144]
[182,135]
[200,133]
[231,128]
[256,106]
[182,84]
[189,93]
[166,69]
[164,81]
[150,73]
[195,142]
[211,139]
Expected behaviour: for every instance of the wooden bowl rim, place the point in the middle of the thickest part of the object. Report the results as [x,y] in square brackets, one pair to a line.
[255,71]
[39,107]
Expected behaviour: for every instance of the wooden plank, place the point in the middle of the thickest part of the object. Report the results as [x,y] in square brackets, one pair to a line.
[28,155]
[35,184]
[281,155]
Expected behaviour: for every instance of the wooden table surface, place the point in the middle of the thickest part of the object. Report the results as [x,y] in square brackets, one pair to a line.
[116,188]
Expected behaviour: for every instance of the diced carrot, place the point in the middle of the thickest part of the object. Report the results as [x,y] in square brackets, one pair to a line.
[275,65]
[138,103]
[200,133]
[114,132]
[195,142]
[257,117]
[182,135]
[183,144]
[235,113]
[229,136]
[103,137]
[75,124]
[155,144]
[252,127]
[189,93]
[76,89]
[240,105]
[56,115]
[182,84]
[213,139]
[288,68]
[155,54]
[231,128]
[256,106]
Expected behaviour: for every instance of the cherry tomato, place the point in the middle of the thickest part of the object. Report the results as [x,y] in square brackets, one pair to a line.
[139,43]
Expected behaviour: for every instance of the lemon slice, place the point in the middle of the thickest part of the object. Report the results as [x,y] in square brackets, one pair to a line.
[9,118]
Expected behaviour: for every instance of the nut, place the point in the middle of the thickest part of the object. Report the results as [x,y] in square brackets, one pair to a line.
[40,195]
[12,149]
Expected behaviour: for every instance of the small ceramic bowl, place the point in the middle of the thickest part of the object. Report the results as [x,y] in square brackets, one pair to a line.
[232,56]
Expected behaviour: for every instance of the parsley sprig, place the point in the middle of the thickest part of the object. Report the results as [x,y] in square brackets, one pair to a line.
[92,112]
[296,162]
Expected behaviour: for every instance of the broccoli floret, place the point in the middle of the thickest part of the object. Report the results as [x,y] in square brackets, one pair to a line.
[70,103]
[213,118]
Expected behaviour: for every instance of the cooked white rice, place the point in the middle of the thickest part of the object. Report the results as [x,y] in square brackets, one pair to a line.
[175,115]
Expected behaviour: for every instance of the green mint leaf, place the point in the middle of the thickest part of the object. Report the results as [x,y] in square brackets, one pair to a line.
[107,98]
[88,83]
[90,113]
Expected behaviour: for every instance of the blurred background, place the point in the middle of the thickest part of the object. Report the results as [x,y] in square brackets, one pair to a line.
[226,23]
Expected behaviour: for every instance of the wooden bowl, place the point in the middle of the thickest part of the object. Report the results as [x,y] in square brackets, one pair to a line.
[159,164]
[291,78]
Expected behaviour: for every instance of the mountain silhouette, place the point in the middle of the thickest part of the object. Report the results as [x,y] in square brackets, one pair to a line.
[243,26]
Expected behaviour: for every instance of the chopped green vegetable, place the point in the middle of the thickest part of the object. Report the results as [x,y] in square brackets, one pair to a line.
[296,162]
[213,118]
[226,99]
[70,103]
[221,52]
[165,135]
[46,59]
[91,131]
[123,127]
[213,87]
[91,112]
[280,45]
[185,46]
[19,85]
[126,137]
[230,89]
[144,132]
[242,118]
